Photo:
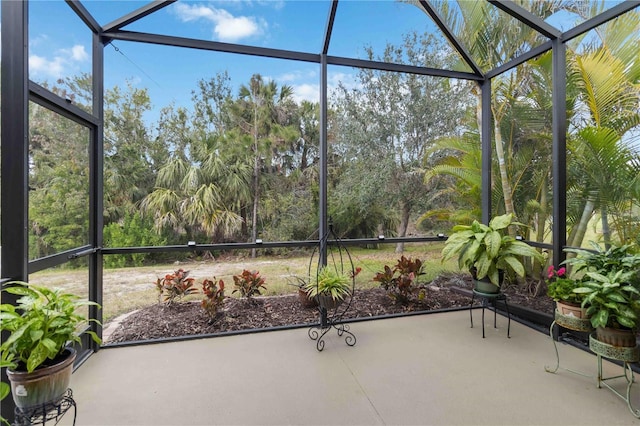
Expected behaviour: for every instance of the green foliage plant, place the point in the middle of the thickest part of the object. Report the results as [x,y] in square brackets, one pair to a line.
[330,282]
[248,283]
[175,286]
[402,280]
[489,249]
[40,326]
[604,260]
[611,300]
[213,291]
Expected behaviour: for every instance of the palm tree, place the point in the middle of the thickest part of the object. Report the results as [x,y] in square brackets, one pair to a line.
[203,193]
[261,113]
[493,38]
[606,74]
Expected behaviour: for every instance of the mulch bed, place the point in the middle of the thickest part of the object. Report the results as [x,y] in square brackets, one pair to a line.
[188,318]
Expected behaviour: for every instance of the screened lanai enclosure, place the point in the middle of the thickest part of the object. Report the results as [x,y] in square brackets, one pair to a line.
[137,136]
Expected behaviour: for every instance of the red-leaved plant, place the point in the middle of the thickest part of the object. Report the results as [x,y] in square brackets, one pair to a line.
[401,281]
[213,296]
[175,286]
[249,283]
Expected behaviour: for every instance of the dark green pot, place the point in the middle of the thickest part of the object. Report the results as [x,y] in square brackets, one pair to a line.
[485,287]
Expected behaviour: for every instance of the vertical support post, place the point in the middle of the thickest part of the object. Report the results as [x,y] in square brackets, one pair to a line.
[15,151]
[322,212]
[559,149]
[485,135]
[96,159]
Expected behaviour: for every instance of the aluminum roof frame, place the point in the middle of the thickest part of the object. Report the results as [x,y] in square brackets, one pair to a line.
[18,90]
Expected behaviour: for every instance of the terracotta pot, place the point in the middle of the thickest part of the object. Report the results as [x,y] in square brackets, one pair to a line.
[43,385]
[571,309]
[616,337]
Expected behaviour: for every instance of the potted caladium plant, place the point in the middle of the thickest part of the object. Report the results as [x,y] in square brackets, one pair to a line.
[610,290]
[613,306]
[488,251]
[37,356]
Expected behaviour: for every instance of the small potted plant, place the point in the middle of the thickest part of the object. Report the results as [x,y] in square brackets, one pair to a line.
[610,289]
[301,283]
[487,251]
[330,288]
[39,362]
[560,288]
[613,306]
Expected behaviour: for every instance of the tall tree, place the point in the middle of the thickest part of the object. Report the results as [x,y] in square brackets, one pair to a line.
[389,122]
[605,72]
[261,111]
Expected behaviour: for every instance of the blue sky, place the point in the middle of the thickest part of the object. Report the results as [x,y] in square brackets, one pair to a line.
[60,44]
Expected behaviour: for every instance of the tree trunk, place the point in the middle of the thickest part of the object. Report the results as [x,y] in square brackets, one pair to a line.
[254,214]
[581,228]
[606,230]
[256,182]
[504,178]
[541,221]
[404,224]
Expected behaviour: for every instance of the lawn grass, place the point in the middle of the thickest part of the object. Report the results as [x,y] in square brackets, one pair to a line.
[128,289]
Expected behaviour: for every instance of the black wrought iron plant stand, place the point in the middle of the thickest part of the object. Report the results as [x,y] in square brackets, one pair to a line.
[338,257]
[43,413]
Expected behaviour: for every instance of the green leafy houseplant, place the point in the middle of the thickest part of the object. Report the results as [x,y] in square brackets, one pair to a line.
[488,249]
[611,300]
[40,327]
[605,260]
[330,282]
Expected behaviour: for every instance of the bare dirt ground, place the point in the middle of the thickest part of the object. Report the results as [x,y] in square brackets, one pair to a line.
[188,318]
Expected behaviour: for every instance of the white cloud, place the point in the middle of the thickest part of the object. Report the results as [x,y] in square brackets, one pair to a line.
[39,66]
[306,92]
[63,61]
[226,27]
[79,54]
[306,84]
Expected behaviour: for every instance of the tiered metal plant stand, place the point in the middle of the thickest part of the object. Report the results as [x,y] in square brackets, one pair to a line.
[626,356]
[338,257]
[622,354]
[571,323]
[46,413]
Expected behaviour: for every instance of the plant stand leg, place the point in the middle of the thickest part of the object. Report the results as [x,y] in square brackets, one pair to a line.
[473,295]
[506,306]
[484,304]
[317,332]
[569,323]
[624,354]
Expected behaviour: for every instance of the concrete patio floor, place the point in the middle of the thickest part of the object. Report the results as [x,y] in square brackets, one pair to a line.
[428,369]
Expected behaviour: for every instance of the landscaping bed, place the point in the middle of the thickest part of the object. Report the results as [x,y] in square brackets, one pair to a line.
[161,321]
